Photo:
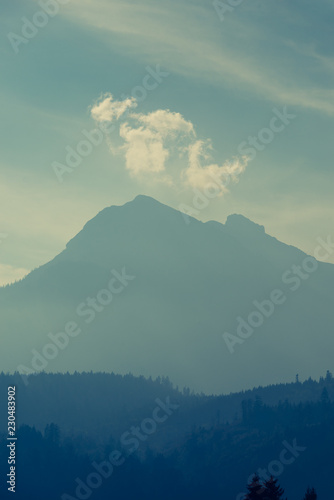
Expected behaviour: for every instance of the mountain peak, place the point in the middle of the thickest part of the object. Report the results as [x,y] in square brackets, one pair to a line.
[240,223]
[142,201]
[143,198]
[183,285]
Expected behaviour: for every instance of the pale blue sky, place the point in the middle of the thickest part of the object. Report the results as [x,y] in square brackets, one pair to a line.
[225,77]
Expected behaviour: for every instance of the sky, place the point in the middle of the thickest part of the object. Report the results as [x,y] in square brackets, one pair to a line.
[212,107]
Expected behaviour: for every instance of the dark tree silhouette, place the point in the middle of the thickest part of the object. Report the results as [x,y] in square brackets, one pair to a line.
[52,434]
[272,490]
[310,494]
[255,489]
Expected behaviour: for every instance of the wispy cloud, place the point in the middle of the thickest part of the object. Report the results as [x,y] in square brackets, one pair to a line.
[202,49]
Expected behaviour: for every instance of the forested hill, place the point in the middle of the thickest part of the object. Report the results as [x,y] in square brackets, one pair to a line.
[101,404]
[172,445]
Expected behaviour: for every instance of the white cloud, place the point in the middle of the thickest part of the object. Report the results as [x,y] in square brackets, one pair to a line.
[151,138]
[108,110]
[166,122]
[9,274]
[154,141]
[148,138]
[201,177]
[144,150]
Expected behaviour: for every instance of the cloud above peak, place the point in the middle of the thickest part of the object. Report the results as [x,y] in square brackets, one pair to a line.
[166,123]
[144,149]
[162,145]
[107,110]
[198,175]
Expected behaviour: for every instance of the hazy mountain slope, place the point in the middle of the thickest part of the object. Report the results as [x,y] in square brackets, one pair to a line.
[191,283]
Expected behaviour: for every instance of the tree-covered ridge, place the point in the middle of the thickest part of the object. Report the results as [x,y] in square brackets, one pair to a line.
[70,400]
[193,451]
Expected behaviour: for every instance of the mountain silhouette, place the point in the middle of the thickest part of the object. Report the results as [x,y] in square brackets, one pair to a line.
[188,285]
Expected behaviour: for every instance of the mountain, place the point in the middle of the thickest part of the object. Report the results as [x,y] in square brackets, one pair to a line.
[175,289]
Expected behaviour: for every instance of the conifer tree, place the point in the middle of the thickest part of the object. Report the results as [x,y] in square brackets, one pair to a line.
[255,489]
[272,490]
[310,494]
